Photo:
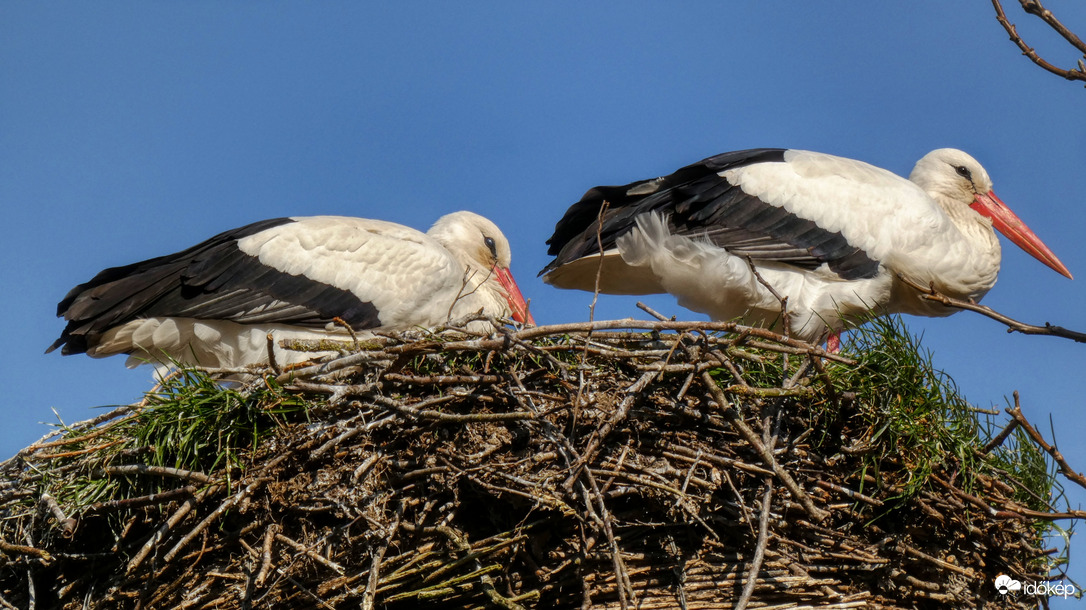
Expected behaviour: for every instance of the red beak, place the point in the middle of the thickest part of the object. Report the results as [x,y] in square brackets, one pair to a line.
[513,295]
[1005,221]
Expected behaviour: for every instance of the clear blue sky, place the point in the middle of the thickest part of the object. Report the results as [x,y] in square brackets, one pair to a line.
[133,129]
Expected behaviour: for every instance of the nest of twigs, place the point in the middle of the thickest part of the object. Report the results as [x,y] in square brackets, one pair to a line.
[612,465]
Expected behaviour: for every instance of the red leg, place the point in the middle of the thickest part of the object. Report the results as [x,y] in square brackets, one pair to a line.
[833,343]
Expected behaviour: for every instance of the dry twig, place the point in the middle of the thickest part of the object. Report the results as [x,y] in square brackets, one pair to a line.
[1034,7]
[929,293]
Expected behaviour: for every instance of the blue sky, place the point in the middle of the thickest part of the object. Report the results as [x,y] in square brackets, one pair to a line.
[130,130]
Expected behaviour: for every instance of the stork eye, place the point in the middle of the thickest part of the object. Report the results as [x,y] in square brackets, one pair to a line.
[964,172]
[489,241]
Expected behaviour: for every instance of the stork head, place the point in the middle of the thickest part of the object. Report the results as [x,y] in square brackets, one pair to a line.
[956,180]
[479,245]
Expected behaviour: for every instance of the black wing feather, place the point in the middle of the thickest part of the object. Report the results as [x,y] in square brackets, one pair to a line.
[213,280]
[698,202]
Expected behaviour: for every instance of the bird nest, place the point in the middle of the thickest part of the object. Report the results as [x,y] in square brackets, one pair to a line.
[625,464]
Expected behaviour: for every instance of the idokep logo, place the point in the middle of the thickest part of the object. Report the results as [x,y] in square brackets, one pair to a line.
[1005,584]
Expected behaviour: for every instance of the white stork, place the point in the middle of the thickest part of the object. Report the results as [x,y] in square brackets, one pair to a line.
[213,304]
[828,233]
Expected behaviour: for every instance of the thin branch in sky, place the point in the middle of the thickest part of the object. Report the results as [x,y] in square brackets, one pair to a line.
[931,294]
[1034,7]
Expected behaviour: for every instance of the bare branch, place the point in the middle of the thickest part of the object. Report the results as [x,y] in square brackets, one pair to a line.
[1051,450]
[1034,7]
[931,294]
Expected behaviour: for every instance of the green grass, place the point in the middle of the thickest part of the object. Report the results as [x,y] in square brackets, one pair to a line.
[190,423]
[194,423]
[915,416]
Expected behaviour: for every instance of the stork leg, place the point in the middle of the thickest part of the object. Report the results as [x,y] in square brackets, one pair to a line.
[833,343]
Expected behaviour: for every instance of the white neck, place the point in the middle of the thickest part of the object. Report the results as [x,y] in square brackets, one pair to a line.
[978,253]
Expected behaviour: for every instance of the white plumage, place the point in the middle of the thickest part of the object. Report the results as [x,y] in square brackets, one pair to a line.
[828,233]
[299,278]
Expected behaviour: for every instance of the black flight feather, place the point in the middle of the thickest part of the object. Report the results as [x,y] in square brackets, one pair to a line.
[212,280]
[697,202]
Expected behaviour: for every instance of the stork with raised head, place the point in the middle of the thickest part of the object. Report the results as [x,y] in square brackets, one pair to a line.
[829,234]
[214,304]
